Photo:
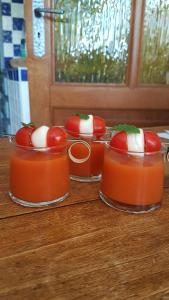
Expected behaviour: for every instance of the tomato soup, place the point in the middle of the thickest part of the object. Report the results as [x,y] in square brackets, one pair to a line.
[38,176]
[92,165]
[131,179]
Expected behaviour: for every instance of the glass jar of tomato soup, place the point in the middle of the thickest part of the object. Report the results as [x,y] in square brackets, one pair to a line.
[86,148]
[132,181]
[86,156]
[38,176]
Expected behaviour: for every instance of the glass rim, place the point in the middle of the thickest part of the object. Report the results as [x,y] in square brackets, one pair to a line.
[136,153]
[82,134]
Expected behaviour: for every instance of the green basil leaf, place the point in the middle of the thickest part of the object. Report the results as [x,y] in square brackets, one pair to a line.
[126,127]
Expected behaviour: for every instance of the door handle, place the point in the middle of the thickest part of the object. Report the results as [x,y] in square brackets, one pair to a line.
[39,10]
[38,26]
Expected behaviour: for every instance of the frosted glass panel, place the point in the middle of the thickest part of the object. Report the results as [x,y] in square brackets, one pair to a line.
[91,40]
[155,51]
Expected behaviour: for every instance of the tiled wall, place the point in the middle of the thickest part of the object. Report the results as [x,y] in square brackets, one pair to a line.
[13,28]
[14,100]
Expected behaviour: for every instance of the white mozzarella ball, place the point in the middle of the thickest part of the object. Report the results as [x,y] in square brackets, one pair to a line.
[135,141]
[86,126]
[39,136]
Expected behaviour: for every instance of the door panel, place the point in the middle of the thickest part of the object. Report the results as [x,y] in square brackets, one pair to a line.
[139,117]
[62,83]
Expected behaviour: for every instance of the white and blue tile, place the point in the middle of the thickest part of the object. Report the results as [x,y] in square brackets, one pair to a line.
[7,36]
[17,10]
[17,50]
[8,49]
[7,23]
[7,62]
[6,9]
[17,36]
[18,23]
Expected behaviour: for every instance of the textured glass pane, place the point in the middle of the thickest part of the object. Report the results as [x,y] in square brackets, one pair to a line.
[155,51]
[91,40]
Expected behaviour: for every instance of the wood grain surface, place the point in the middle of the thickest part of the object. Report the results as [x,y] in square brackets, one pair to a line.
[81,249]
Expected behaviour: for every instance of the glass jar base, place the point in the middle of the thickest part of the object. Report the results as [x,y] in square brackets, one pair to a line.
[85,179]
[37,204]
[135,209]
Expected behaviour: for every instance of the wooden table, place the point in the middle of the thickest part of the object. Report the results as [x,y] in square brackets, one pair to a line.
[81,249]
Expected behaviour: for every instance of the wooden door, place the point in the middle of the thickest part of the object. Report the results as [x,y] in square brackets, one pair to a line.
[123,100]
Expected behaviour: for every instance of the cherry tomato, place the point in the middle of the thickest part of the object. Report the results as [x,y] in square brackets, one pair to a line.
[98,126]
[56,136]
[72,125]
[119,141]
[151,142]
[23,135]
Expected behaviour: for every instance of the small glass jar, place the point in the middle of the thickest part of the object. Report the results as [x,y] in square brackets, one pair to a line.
[166,159]
[38,176]
[86,155]
[165,144]
[131,181]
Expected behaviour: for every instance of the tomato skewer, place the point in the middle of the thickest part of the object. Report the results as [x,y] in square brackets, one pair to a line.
[81,124]
[42,136]
[141,141]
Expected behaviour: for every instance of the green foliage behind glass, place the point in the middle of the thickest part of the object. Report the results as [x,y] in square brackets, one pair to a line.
[93,67]
[155,45]
[91,41]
